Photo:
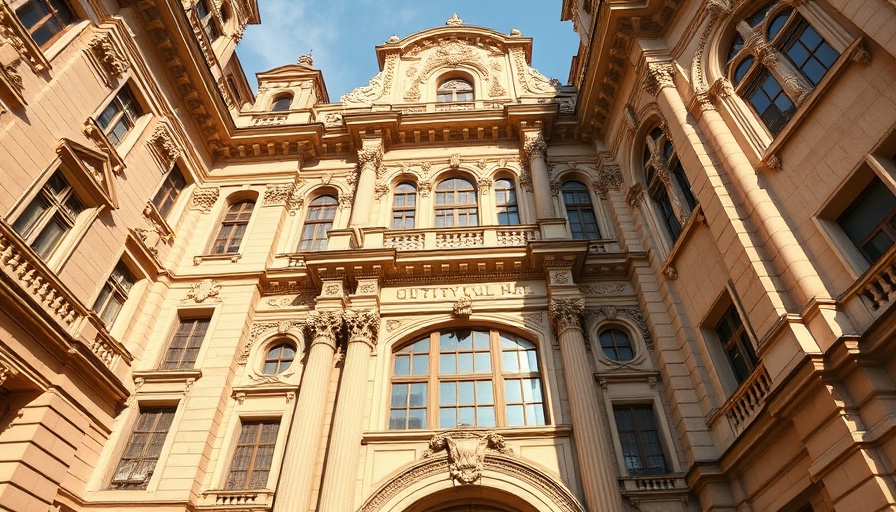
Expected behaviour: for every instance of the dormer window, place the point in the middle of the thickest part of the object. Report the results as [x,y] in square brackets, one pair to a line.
[454,91]
[282,103]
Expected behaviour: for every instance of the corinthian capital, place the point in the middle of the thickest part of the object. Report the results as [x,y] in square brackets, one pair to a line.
[566,314]
[324,326]
[657,76]
[362,325]
[534,145]
[371,152]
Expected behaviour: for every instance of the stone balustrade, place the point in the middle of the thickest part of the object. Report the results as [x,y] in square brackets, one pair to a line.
[878,285]
[653,483]
[255,499]
[24,267]
[749,398]
[455,238]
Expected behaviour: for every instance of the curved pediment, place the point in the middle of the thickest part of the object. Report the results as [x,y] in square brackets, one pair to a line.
[495,64]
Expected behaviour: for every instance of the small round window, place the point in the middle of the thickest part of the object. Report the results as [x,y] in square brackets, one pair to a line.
[278,359]
[616,345]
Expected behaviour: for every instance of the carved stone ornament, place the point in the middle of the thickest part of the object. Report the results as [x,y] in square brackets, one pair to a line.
[306,60]
[454,161]
[289,195]
[671,273]
[163,146]
[376,88]
[454,21]
[370,155]
[362,324]
[630,117]
[466,452]
[609,177]
[108,58]
[5,371]
[324,326]
[463,306]
[204,290]
[658,75]
[566,314]
[635,195]
[204,199]
[534,146]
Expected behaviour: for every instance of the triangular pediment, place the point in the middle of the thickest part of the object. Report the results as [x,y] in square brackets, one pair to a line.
[89,170]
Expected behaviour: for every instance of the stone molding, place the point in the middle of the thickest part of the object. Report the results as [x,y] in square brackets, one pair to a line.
[466,452]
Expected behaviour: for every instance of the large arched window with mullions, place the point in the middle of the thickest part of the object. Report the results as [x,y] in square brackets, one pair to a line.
[667,183]
[775,59]
[476,377]
[456,203]
[580,211]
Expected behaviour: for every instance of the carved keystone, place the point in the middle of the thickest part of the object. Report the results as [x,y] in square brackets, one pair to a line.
[466,452]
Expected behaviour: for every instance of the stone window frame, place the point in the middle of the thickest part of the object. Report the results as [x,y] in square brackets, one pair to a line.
[47,52]
[120,443]
[879,163]
[164,185]
[270,345]
[318,195]
[442,91]
[611,328]
[118,288]
[224,222]
[658,428]
[256,444]
[455,207]
[92,185]
[208,18]
[496,376]
[140,122]
[18,4]
[626,393]
[664,176]
[404,180]
[256,408]
[739,113]
[726,381]
[595,205]
[518,203]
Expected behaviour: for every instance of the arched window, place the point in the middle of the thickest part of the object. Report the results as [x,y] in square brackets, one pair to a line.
[456,203]
[455,90]
[616,345]
[582,222]
[319,222]
[404,206]
[279,358]
[505,203]
[775,60]
[233,227]
[282,102]
[477,377]
[667,182]
[208,20]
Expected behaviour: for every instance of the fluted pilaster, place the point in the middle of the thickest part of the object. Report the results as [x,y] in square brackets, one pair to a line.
[297,474]
[592,441]
[338,490]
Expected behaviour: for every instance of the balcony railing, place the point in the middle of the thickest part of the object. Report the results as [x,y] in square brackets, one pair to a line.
[749,398]
[878,285]
[237,500]
[23,267]
[454,238]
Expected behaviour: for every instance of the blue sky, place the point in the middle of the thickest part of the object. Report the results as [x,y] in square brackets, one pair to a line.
[344,33]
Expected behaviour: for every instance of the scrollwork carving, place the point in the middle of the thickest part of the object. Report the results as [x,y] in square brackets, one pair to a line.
[466,452]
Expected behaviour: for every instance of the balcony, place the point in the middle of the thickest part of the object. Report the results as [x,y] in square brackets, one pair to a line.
[452,238]
[237,500]
[24,268]
[745,404]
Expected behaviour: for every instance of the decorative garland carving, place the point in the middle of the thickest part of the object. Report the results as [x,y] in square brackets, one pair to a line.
[288,195]
[107,57]
[609,177]
[204,290]
[466,452]
[162,145]
[463,307]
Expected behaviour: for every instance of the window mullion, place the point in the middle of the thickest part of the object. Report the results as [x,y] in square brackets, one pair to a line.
[497,379]
[433,396]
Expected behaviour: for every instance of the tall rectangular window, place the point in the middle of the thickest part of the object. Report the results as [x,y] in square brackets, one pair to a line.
[185,344]
[45,19]
[114,293]
[143,449]
[50,215]
[171,188]
[120,116]
[737,345]
[251,462]
[870,221]
[640,439]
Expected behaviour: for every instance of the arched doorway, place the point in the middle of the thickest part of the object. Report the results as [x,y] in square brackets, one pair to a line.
[471,499]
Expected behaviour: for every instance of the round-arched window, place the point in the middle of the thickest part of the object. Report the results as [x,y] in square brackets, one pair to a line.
[616,345]
[279,358]
[455,90]
[282,102]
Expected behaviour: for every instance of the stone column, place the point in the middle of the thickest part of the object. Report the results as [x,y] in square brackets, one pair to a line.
[595,461]
[659,82]
[338,491]
[303,444]
[370,157]
[535,152]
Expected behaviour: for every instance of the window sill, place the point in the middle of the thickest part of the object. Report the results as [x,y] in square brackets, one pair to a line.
[233,257]
[70,33]
[696,218]
[162,376]
[237,499]
[855,52]
[423,435]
